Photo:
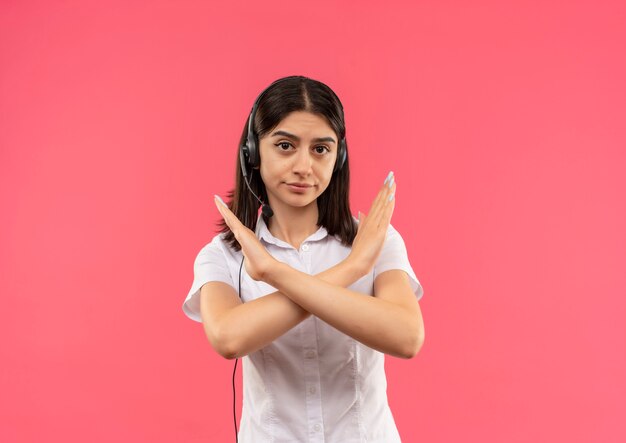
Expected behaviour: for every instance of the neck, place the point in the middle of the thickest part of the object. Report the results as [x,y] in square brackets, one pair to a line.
[293,225]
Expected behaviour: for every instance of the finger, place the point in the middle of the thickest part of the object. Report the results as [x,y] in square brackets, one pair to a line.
[382,194]
[389,209]
[217,204]
[236,226]
[226,213]
[382,213]
[379,211]
[382,191]
[362,217]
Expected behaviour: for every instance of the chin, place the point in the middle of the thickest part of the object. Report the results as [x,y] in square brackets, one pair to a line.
[300,201]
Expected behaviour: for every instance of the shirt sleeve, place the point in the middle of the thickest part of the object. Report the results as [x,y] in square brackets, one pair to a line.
[210,265]
[394,256]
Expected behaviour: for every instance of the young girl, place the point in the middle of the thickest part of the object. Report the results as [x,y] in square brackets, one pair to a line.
[310,296]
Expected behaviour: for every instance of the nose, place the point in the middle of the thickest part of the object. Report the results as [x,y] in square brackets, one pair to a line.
[302,162]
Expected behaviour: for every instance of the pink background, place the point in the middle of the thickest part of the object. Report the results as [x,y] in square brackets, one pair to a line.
[505,126]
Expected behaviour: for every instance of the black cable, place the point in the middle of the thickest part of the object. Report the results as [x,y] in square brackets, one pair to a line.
[235,368]
[234,413]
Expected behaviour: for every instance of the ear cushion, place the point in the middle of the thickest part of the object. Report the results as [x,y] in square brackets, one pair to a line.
[341,155]
[253,154]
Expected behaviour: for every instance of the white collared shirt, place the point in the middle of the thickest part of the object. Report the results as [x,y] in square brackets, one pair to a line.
[314,383]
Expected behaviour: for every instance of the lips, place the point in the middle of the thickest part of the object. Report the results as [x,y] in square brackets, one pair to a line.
[300,185]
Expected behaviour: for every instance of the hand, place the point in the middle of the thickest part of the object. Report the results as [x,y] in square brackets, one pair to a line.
[372,229]
[257,260]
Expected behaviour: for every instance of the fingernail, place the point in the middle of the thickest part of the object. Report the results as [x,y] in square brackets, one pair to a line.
[391,182]
[221,201]
[388,177]
[391,196]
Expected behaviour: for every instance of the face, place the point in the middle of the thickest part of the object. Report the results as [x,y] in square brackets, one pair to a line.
[301,149]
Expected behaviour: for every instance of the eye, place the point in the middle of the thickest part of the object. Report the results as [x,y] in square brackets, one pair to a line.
[323,147]
[280,145]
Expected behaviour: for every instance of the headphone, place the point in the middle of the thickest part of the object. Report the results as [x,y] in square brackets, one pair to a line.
[249,155]
[249,151]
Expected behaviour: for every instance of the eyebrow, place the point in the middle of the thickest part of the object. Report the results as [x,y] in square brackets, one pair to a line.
[295,137]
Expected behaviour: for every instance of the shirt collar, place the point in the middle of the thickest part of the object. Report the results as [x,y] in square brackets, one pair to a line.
[264,233]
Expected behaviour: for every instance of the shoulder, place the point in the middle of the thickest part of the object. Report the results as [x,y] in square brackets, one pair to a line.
[217,248]
[391,230]
[216,244]
[393,234]
[394,255]
[393,246]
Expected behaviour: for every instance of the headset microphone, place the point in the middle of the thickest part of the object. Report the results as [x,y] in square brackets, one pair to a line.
[267,211]
[265,208]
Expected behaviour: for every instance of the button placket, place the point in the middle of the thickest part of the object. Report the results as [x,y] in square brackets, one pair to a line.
[305,256]
[312,377]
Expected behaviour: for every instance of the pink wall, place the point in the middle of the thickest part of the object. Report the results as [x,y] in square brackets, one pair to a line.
[503,123]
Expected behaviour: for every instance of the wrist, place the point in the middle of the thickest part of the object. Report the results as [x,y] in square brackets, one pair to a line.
[354,267]
[273,275]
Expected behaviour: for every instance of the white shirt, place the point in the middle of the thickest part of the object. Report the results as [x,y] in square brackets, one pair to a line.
[314,383]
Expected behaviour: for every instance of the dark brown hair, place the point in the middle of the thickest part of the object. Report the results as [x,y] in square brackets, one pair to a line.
[295,93]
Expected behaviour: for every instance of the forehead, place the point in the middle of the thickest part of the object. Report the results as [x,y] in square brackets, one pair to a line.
[303,122]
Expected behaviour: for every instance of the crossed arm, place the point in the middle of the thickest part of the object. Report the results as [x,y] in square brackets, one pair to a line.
[236,329]
[390,322]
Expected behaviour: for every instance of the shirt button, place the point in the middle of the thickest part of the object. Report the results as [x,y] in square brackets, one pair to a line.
[312,390]
[310,354]
[317,428]
[305,247]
